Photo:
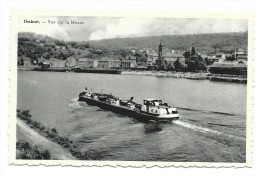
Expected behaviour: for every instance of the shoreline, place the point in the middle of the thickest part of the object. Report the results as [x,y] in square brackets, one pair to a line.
[169,74]
[60,147]
[190,75]
[34,138]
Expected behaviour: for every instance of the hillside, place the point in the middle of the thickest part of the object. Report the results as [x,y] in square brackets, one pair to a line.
[33,46]
[203,42]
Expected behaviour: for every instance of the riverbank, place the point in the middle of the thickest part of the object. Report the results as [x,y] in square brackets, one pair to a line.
[58,146]
[189,75]
[36,140]
[170,74]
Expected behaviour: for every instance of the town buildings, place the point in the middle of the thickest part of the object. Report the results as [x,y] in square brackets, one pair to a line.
[229,67]
[109,63]
[128,63]
[87,63]
[167,59]
[170,58]
[54,62]
[240,54]
[151,56]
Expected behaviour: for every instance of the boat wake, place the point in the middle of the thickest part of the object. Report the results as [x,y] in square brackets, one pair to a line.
[206,130]
[196,128]
[215,112]
[75,104]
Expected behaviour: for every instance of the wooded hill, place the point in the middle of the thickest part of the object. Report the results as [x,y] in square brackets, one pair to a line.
[34,45]
[203,42]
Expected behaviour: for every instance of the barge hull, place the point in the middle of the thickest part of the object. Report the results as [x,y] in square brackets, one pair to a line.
[52,69]
[97,71]
[126,111]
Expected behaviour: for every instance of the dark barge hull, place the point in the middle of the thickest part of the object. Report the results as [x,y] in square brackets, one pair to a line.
[125,111]
[52,69]
[97,71]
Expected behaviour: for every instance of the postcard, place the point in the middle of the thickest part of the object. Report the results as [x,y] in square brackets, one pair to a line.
[134,88]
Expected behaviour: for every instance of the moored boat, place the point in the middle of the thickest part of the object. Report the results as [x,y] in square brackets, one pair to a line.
[102,71]
[52,69]
[151,109]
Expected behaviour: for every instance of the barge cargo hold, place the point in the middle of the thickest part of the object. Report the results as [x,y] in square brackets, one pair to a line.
[151,109]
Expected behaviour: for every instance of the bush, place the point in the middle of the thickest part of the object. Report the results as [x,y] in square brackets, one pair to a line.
[31,152]
[28,152]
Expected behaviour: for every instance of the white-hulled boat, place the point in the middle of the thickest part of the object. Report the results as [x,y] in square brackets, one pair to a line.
[151,109]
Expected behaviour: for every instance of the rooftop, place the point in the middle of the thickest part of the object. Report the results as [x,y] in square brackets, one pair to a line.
[239,63]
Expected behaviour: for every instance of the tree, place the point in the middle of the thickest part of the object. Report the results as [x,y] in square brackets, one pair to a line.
[193,51]
[87,45]
[178,66]
[196,63]
[47,56]
[207,61]
[170,68]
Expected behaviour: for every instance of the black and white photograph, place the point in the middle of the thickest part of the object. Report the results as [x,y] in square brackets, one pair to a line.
[163,90]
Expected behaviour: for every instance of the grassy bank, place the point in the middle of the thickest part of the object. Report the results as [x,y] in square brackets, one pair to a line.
[52,134]
[24,150]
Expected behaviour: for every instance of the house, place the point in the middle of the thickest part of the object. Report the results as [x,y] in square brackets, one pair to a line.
[203,56]
[40,59]
[133,51]
[71,62]
[130,57]
[87,63]
[24,62]
[44,65]
[212,59]
[106,63]
[128,63]
[241,56]
[220,55]
[151,56]
[229,67]
[240,51]
[57,62]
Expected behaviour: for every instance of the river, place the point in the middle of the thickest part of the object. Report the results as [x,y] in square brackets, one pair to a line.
[212,125]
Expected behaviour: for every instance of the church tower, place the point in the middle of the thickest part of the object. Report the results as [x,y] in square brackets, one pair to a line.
[160,57]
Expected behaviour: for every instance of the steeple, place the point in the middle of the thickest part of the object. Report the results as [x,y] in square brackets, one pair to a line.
[160,54]
[160,49]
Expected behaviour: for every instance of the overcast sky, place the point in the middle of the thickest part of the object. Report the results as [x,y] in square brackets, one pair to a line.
[97,28]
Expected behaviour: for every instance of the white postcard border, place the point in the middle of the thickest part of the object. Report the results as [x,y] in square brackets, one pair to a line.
[138,13]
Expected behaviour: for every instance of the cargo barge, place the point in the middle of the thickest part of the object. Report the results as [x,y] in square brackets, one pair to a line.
[52,69]
[151,109]
[104,71]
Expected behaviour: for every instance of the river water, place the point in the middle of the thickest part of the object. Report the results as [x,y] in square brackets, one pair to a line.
[212,125]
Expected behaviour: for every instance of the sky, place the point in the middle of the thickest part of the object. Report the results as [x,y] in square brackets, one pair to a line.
[98,28]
